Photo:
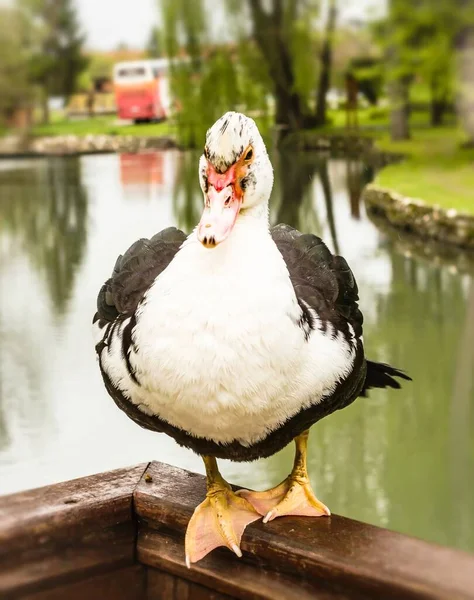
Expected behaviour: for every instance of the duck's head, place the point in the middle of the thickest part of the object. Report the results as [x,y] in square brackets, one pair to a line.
[235,175]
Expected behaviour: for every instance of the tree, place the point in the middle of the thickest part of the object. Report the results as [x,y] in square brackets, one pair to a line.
[15,91]
[287,37]
[281,36]
[397,34]
[55,46]
[419,39]
[367,70]
[435,30]
[154,47]
[464,44]
[273,32]
[326,64]
[208,80]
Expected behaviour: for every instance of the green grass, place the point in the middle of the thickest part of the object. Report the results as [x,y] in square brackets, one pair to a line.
[436,169]
[101,126]
[373,117]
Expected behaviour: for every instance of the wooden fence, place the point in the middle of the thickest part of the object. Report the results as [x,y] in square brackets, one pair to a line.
[119,535]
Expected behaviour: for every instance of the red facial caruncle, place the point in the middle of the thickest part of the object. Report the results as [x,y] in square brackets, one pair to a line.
[223,200]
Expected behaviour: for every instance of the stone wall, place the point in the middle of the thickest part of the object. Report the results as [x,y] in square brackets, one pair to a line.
[415,216]
[88,144]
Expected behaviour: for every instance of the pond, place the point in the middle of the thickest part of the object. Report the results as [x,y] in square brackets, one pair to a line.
[403,460]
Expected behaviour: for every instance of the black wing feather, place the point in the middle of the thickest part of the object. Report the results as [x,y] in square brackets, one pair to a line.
[135,271]
[323,281]
[326,284]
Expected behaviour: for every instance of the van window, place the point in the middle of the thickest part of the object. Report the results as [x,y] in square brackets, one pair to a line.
[132,72]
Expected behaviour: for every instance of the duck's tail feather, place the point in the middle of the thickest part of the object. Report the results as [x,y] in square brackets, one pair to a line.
[381,375]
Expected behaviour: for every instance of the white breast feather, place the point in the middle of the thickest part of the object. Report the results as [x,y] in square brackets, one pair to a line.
[219,353]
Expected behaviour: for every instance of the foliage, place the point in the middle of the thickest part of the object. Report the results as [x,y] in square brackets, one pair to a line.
[369,74]
[352,43]
[14,85]
[100,65]
[465,69]
[271,51]
[154,47]
[54,45]
[419,40]
[210,81]
[184,25]
[303,43]
[282,31]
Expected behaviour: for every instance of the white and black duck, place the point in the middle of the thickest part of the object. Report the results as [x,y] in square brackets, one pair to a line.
[236,339]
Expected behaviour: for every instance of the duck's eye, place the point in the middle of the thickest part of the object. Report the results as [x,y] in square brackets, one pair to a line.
[227,202]
[249,155]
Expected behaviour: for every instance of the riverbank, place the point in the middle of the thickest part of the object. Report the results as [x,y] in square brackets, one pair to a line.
[335,143]
[430,191]
[417,217]
[437,166]
[88,136]
[67,145]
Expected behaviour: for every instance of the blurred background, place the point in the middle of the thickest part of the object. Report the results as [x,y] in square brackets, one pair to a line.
[380,78]
[299,64]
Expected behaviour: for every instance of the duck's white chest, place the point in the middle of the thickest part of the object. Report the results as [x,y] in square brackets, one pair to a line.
[218,350]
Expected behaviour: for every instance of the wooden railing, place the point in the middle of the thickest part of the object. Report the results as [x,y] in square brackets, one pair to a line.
[119,535]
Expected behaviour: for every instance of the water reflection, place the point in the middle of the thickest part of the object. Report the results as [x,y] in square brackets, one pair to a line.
[43,210]
[187,197]
[402,460]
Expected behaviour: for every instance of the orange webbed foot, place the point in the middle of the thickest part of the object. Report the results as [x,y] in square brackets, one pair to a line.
[218,521]
[293,497]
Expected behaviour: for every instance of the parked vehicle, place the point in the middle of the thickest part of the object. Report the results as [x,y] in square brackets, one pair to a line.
[142,90]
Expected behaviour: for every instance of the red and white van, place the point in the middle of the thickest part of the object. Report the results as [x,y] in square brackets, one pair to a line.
[142,89]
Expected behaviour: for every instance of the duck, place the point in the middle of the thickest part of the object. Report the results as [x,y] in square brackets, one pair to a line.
[236,339]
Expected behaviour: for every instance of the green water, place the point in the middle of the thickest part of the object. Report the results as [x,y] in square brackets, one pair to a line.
[403,460]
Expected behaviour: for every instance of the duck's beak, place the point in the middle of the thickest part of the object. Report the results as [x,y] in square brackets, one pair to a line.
[222,204]
[219,216]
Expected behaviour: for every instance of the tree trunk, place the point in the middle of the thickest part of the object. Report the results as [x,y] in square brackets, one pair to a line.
[437,104]
[45,108]
[326,63]
[437,109]
[399,114]
[398,88]
[288,110]
[465,71]
[270,37]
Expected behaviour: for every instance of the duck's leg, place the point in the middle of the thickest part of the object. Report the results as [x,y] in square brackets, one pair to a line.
[218,521]
[294,496]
